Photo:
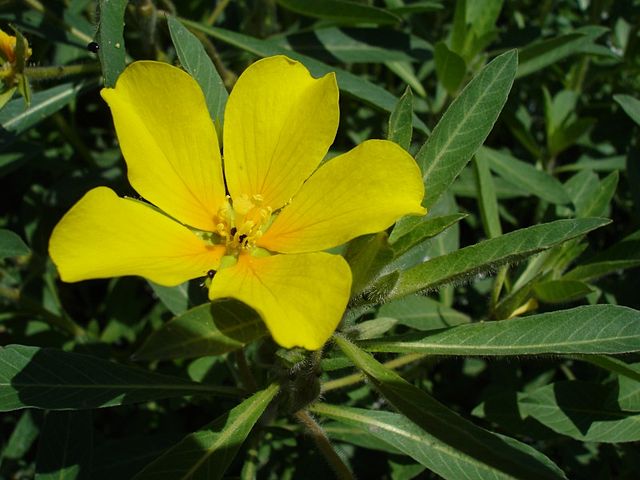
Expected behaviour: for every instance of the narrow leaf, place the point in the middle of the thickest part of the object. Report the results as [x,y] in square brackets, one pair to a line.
[208,453]
[560,291]
[422,313]
[589,330]
[196,61]
[487,200]
[429,227]
[400,125]
[450,68]
[209,329]
[66,446]
[111,40]
[490,254]
[494,455]
[525,176]
[465,125]
[340,11]
[15,118]
[57,380]
[630,105]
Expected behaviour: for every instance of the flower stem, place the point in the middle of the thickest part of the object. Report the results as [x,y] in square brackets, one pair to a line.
[217,12]
[47,73]
[341,470]
[359,377]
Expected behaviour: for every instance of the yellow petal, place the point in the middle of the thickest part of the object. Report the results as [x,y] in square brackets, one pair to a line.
[363,191]
[168,141]
[279,124]
[301,298]
[106,236]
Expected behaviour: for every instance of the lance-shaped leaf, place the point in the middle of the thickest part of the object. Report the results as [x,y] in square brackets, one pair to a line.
[427,228]
[15,119]
[339,11]
[630,105]
[196,61]
[352,84]
[488,255]
[591,329]
[505,458]
[581,410]
[400,124]
[66,446]
[525,176]
[209,329]
[111,39]
[58,380]
[402,434]
[465,125]
[207,453]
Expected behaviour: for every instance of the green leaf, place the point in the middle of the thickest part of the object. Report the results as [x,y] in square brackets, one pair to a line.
[465,125]
[416,7]
[25,432]
[630,105]
[450,68]
[487,200]
[196,61]
[209,329]
[490,254]
[176,299]
[15,118]
[589,330]
[422,313]
[539,55]
[624,254]
[57,380]
[367,256]
[494,456]
[600,199]
[111,40]
[405,71]
[561,291]
[11,245]
[400,125]
[428,228]
[525,176]
[342,12]
[208,453]
[401,434]
[352,84]
[581,410]
[66,446]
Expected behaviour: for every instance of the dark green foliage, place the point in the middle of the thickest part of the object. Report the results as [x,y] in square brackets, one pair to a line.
[524,118]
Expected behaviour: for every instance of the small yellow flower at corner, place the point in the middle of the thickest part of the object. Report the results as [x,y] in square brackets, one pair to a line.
[8,48]
[264,224]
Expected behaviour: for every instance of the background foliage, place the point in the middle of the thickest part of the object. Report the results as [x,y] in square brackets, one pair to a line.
[524,119]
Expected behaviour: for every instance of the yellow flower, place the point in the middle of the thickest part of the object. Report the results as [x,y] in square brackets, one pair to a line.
[8,47]
[264,223]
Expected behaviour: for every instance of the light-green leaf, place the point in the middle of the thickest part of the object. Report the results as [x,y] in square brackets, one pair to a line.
[340,11]
[11,245]
[15,118]
[57,380]
[429,227]
[525,176]
[352,84]
[196,61]
[209,329]
[400,124]
[490,254]
[561,291]
[111,40]
[630,105]
[589,330]
[422,313]
[581,410]
[66,446]
[208,453]
[465,125]
[494,456]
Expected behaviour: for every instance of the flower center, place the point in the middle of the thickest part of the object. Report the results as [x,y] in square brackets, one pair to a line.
[241,222]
